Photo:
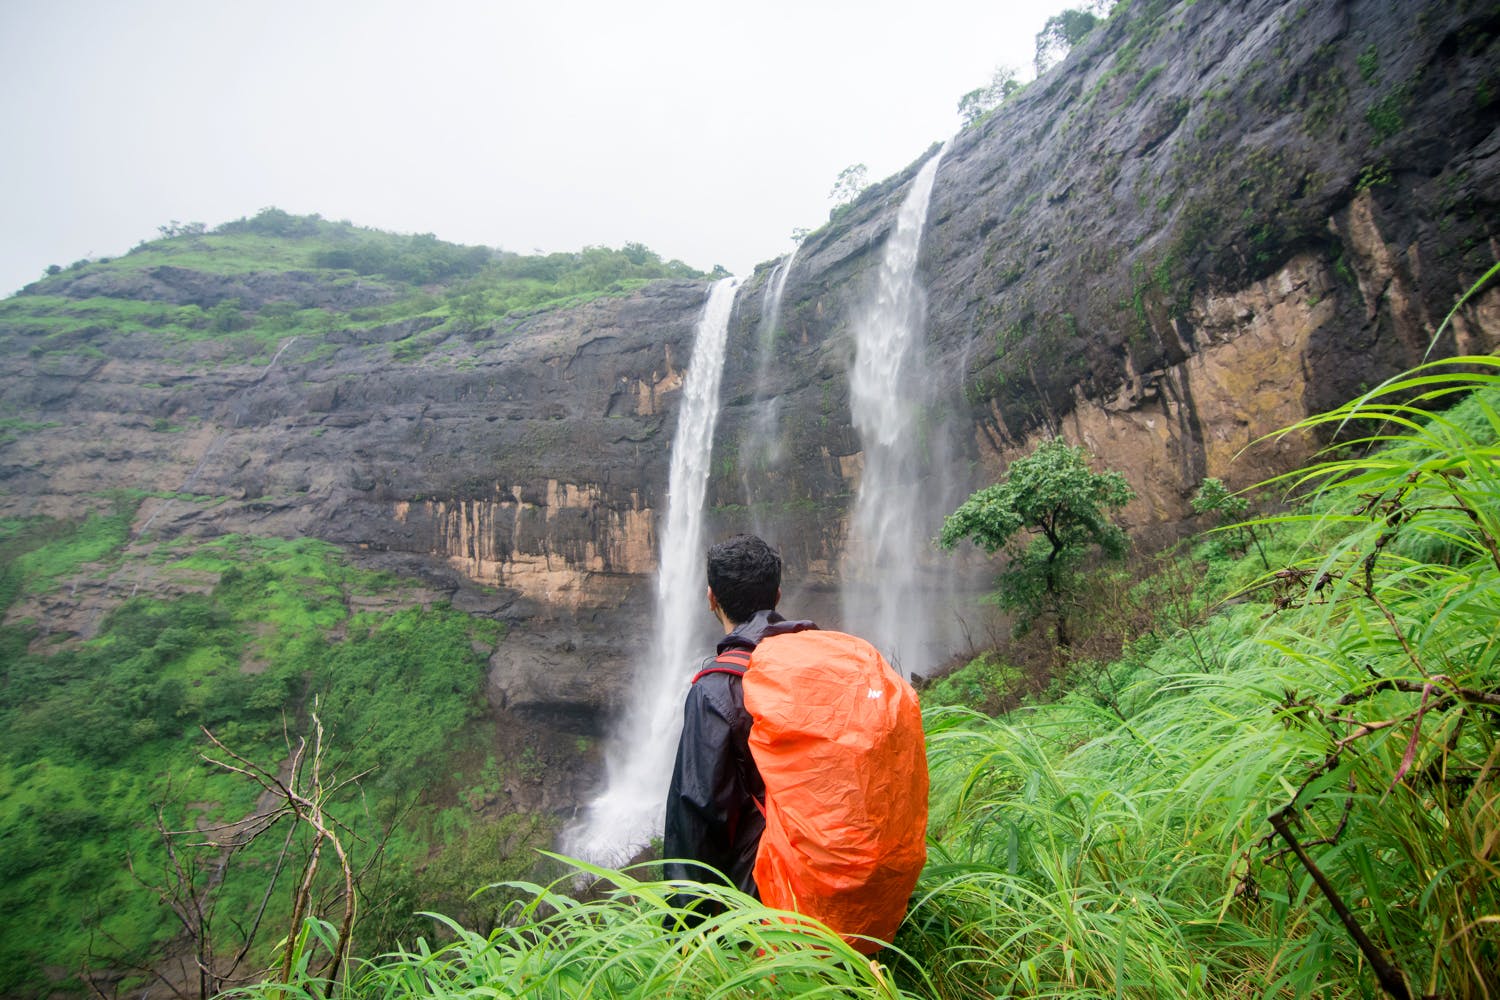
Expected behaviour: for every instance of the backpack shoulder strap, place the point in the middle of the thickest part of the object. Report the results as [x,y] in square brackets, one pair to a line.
[731,661]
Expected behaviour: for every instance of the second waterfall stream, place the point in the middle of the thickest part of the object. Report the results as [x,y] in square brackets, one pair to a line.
[884,597]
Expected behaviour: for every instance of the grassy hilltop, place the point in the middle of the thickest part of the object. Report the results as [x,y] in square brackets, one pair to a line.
[248,286]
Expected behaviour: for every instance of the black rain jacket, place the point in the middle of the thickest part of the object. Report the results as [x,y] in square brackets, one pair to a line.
[714,806]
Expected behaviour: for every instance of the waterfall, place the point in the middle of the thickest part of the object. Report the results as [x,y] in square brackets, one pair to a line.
[638,764]
[897,512]
[760,445]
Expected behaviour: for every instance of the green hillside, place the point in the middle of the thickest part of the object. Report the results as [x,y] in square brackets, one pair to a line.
[105,739]
[252,284]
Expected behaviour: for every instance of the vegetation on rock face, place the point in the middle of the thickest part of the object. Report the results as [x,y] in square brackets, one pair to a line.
[1177,156]
[851,182]
[1061,32]
[251,285]
[1284,784]
[101,758]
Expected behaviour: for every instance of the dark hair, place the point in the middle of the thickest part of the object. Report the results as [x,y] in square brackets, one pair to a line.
[745,575]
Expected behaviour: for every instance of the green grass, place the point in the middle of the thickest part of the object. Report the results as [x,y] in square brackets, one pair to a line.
[1122,845]
[216,253]
[551,945]
[1326,684]
[1115,841]
[13,428]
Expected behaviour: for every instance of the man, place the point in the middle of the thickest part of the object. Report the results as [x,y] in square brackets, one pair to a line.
[801,773]
[714,813]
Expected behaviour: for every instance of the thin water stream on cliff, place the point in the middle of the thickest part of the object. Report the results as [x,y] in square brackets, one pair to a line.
[760,451]
[883,595]
[638,762]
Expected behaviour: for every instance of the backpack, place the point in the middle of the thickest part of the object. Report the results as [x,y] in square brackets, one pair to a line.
[837,737]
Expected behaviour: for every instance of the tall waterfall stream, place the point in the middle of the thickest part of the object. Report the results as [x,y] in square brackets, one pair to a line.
[638,762]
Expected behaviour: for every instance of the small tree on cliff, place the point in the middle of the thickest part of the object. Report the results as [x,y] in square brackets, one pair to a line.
[1049,513]
[851,183]
[1065,30]
[1213,497]
[976,104]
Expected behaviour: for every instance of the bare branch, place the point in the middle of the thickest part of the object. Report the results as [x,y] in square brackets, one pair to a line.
[1392,980]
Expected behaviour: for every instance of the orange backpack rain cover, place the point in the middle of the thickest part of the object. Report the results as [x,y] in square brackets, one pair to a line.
[837,736]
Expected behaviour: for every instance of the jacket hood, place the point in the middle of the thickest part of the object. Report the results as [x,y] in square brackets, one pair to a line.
[747,634]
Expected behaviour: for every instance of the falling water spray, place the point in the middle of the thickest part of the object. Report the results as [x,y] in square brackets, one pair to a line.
[760,446]
[638,762]
[883,595]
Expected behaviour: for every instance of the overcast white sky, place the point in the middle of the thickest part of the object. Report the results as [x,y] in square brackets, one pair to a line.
[706,131]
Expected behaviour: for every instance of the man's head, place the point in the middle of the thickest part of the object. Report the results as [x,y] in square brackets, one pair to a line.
[744,574]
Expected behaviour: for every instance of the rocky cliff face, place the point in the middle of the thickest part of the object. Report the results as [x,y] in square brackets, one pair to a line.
[1239,215]
[1209,221]
[519,473]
